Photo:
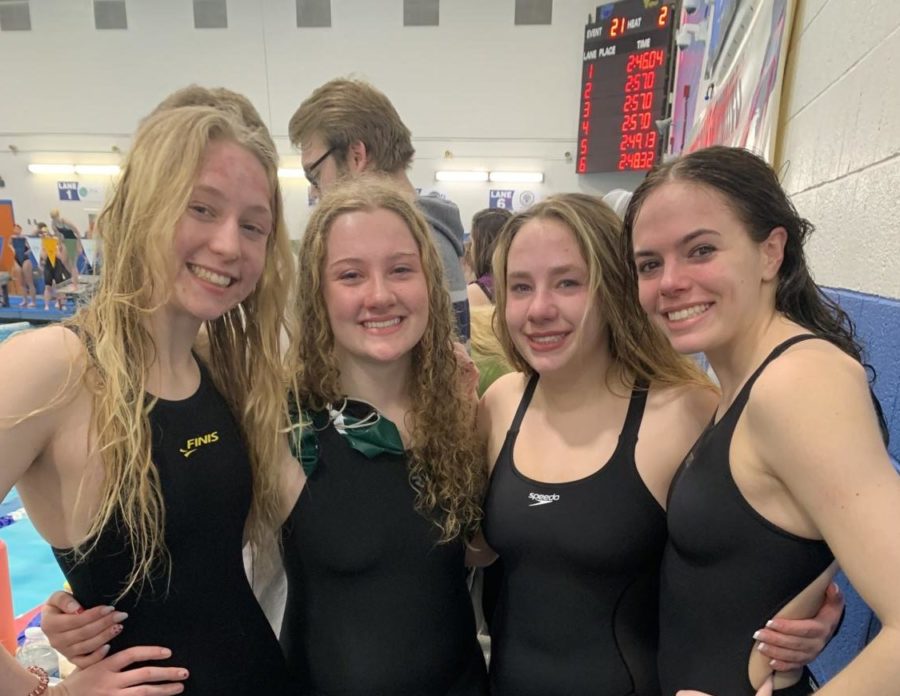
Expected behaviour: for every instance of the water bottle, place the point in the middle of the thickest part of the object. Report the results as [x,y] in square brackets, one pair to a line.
[37,651]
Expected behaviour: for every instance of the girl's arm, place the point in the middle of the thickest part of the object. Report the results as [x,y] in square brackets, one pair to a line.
[815,428]
[29,416]
[792,643]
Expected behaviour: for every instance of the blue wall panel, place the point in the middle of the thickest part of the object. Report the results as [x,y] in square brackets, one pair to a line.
[877,321]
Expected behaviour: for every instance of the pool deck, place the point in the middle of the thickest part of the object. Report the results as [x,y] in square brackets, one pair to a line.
[17,311]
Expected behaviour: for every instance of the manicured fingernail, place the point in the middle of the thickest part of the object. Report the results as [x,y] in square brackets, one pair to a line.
[756,635]
[107,610]
[73,608]
[117,629]
[165,652]
[760,646]
[104,649]
[771,663]
[183,674]
[770,624]
[120,616]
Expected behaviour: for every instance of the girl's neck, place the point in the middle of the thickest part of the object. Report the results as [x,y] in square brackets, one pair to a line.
[384,385]
[173,374]
[579,384]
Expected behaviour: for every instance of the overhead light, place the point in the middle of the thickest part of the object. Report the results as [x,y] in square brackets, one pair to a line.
[460,175]
[107,169]
[518,177]
[288,173]
[51,168]
[85,169]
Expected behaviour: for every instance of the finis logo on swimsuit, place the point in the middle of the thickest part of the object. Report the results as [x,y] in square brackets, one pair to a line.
[542,498]
[195,443]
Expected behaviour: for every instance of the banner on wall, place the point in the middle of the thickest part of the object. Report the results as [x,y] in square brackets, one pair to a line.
[76,191]
[690,78]
[68,190]
[50,246]
[525,199]
[91,248]
[90,193]
[511,199]
[501,198]
[739,104]
[35,244]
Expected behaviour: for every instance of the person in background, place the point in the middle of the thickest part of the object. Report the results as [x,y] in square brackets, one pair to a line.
[22,271]
[486,350]
[486,226]
[582,443]
[467,262]
[70,242]
[347,127]
[791,472]
[131,420]
[54,268]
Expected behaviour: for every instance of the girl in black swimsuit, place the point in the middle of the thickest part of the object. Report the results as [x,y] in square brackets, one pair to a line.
[793,465]
[129,458]
[374,549]
[23,271]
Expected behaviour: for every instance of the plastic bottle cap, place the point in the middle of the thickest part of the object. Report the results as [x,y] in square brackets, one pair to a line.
[34,633]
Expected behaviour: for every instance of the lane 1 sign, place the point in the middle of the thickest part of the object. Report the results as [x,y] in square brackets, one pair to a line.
[68,190]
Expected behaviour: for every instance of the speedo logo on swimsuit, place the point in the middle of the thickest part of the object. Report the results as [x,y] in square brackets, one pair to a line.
[195,443]
[542,498]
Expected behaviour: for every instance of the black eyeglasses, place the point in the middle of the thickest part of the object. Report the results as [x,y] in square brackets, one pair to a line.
[310,171]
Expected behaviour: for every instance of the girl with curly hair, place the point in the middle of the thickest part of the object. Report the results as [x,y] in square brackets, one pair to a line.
[374,548]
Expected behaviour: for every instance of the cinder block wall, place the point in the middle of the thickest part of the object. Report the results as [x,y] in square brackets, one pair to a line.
[839,154]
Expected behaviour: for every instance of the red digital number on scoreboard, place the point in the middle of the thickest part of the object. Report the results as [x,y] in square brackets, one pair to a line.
[585,128]
[638,142]
[663,17]
[616,27]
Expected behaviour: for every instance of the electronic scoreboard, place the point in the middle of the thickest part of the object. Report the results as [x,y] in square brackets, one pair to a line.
[624,85]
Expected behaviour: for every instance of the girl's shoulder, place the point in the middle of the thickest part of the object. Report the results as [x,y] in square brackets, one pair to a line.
[806,367]
[688,404]
[44,355]
[505,393]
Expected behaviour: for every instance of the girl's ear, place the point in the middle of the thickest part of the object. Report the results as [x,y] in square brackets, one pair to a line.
[772,252]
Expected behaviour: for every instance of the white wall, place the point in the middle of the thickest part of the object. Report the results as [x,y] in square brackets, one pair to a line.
[840,139]
[493,94]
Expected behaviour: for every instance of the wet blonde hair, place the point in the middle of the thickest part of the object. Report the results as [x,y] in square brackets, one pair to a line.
[638,350]
[446,462]
[137,226]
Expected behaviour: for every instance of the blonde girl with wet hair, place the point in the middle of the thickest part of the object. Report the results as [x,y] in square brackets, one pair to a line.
[149,463]
[582,443]
[374,549]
